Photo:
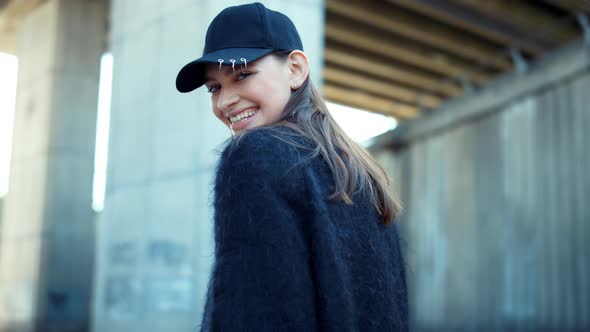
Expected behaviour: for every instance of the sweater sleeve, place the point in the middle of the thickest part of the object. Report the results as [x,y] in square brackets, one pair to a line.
[261,279]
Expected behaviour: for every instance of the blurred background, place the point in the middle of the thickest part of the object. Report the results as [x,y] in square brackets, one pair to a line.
[478,110]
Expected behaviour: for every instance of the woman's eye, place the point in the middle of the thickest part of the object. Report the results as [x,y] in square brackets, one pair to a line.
[213,88]
[243,75]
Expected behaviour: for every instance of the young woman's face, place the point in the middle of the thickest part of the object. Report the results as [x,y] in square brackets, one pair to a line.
[249,97]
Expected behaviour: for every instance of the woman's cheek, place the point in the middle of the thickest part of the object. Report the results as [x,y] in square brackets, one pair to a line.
[224,120]
[220,116]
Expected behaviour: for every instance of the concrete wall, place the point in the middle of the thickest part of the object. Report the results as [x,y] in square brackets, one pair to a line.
[495,187]
[47,244]
[155,245]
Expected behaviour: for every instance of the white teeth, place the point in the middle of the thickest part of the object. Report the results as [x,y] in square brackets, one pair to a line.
[241,116]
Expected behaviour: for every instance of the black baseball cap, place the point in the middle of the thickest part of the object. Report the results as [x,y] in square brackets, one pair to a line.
[237,36]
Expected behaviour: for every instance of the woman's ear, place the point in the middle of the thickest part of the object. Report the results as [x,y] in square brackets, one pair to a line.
[298,68]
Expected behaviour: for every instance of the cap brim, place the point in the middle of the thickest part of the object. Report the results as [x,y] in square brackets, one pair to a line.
[192,75]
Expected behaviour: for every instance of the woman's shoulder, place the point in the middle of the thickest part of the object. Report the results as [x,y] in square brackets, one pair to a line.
[277,143]
[269,151]
[264,158]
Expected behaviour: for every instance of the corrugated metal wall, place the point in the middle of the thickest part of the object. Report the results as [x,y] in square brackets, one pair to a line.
[497,222]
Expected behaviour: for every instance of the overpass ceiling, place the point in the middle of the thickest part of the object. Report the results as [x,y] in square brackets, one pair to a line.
[405,57]
[11,12]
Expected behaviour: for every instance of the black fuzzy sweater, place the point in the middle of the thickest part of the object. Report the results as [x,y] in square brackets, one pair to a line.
[287,258]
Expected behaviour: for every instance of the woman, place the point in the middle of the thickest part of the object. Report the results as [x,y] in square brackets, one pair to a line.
[303,232]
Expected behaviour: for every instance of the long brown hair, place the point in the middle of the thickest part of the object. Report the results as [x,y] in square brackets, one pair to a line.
[352,167]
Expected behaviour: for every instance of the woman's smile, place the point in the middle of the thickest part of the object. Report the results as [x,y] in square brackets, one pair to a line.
[242,119]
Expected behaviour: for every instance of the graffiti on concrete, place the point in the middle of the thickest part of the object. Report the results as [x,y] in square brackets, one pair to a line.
[122,253]
[165,285]
[66,304]
[122,297]
[167,253]
[167,294]
[58,299]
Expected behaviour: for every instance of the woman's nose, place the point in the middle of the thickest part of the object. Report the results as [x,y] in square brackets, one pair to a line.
[227,99]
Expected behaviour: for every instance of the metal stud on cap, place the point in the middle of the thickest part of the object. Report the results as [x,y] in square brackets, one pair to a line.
[220,62]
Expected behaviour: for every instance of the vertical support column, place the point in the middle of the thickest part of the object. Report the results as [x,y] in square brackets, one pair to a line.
[155,244]
[47,246]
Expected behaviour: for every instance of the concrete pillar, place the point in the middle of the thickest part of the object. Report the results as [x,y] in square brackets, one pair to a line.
[46,258]
[155,245]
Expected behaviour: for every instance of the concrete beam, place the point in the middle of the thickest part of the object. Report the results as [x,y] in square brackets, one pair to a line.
[342,33]
[381,16]
[463,18]
[524,16]
[380,88]
[389,71]
[372,103]
[557,66]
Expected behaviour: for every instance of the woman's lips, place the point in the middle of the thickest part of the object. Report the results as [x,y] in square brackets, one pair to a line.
[241,115]
[243,123]
[233,113]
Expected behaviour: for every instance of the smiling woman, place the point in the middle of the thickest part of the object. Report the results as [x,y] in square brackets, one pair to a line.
[8,68]
[305,238]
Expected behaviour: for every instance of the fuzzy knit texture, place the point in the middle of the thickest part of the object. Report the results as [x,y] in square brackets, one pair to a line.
[287,258]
